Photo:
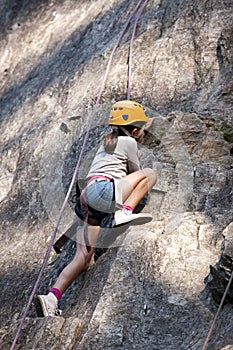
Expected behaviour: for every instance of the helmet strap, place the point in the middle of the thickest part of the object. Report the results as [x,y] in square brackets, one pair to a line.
[140,133]
[125,131]
[134,136]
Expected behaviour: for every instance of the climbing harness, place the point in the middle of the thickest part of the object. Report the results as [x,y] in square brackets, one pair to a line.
[101,89]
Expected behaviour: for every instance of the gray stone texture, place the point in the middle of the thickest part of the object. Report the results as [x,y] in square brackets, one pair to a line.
[157,286]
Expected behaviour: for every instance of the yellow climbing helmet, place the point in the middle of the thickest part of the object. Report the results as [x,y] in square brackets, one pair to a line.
[127,112]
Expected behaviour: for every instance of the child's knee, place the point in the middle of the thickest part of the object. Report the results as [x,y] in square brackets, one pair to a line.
[154,175]
[151,174]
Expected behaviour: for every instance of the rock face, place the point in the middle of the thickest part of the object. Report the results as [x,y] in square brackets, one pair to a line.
[158,286]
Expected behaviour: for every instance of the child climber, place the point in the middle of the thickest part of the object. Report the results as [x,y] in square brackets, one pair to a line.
[115,184]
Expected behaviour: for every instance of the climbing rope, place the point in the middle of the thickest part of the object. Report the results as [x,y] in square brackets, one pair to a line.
[217,313]
[131,49]
[101,89]
[227,287]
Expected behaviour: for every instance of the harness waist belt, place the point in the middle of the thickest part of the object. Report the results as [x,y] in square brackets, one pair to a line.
[98,178]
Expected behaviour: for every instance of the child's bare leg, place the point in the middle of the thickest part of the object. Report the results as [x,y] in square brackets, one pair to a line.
[80,261]
[136,185]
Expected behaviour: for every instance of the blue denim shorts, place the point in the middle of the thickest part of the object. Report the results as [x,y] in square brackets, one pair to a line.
[100,196]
